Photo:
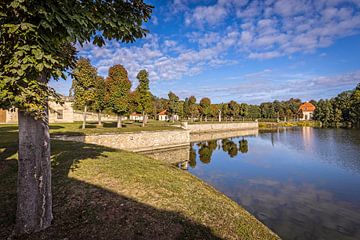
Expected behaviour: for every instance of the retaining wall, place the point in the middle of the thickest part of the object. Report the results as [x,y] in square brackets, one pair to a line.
[136,142]
[216,127]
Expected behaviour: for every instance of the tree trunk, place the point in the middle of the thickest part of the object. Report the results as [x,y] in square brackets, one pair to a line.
[119,122]
[205,118]
[99,118]
[84,117]
[219,116]
[34,199]
[143,120]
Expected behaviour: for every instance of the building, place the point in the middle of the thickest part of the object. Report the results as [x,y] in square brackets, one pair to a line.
[57,113]
[136,116]
[61,113]
[306,111]
[8,116]
[165,116]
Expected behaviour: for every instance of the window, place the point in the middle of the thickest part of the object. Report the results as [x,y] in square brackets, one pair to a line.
[60,114]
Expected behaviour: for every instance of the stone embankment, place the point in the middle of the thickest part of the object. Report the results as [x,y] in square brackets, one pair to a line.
[154,140]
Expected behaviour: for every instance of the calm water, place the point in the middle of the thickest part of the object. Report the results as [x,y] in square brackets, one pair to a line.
[303,183]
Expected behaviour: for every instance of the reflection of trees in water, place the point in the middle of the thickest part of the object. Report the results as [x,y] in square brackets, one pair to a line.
[206,149]
[243,146]
[192,156]
[230,147]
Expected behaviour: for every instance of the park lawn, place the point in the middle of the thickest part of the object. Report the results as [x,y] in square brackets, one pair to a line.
[103,193]
[108,127]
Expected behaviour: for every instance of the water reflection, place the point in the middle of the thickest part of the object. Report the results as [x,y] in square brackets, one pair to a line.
[303,183]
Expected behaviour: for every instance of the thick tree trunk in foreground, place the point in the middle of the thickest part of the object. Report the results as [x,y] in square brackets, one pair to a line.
[219,116]
[99,118]
[34,199]
[119,125]
[84,117]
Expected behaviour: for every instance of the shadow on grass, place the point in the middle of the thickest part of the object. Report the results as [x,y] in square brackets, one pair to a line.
[85,211]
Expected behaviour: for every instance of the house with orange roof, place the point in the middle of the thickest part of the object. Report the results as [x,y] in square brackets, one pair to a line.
[307,111]
[136,116]
[165,116]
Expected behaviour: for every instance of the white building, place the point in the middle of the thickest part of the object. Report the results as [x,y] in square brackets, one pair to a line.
[136,116]
[307,111]
[165,116]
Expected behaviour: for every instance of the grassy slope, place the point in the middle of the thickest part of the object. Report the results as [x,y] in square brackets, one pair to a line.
[102,193]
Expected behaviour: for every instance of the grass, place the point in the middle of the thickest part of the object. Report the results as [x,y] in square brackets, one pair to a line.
[108,127]
[102,193]
[263,125]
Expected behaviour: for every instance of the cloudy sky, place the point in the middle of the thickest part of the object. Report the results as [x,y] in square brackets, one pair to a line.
[248,51]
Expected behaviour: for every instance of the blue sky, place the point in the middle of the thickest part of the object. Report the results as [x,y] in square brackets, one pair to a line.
[248,51]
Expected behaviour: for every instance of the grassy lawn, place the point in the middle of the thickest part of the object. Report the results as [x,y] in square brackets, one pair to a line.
[222,122]
[263,125]
[102,193]
[108,127]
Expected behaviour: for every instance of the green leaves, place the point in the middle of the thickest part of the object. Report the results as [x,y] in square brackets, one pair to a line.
[38,37]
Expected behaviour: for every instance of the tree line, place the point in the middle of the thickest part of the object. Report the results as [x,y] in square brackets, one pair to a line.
[342,110]
[113,94]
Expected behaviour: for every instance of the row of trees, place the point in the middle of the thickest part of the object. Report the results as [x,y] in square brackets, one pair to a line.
[342,110]
[113,93]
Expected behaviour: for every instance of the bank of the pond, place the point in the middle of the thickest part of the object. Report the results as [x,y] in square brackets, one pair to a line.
[270,125]
[103,193]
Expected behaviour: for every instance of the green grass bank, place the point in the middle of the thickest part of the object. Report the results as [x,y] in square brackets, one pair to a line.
[102,193]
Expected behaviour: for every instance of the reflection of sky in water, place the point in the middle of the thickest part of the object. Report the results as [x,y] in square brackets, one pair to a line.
[303,183]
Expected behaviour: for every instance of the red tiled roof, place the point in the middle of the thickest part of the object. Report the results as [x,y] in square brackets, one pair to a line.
[135,114]
[164,112]
[307,107]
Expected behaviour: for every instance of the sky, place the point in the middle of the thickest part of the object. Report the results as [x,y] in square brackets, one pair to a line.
[247,51]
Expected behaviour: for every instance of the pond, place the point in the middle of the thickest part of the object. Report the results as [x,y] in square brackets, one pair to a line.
[303,183]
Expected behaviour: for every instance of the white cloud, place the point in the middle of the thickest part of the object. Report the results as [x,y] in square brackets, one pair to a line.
[276,28]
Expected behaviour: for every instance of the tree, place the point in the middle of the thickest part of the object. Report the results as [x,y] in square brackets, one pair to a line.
[243,110]
[225,110]
[83,85]
[173,105]
[118,88]
[37,43]
[144,95]
[100,93]
[355,106]
[233,109]
[205,109]
[192,108]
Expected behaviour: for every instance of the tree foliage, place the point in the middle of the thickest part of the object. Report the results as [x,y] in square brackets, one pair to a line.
[205,109]
[143,91]
[118,88]
[84,83]
[173,103]
[37,42]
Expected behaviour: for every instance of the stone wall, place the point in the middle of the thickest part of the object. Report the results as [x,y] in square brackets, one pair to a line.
[170,155]
[215,127]
[206,136]
[136,142]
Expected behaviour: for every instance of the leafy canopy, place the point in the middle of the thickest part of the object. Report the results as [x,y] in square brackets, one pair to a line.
[84,83]
[118,88]
[38,38]
[143,92]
